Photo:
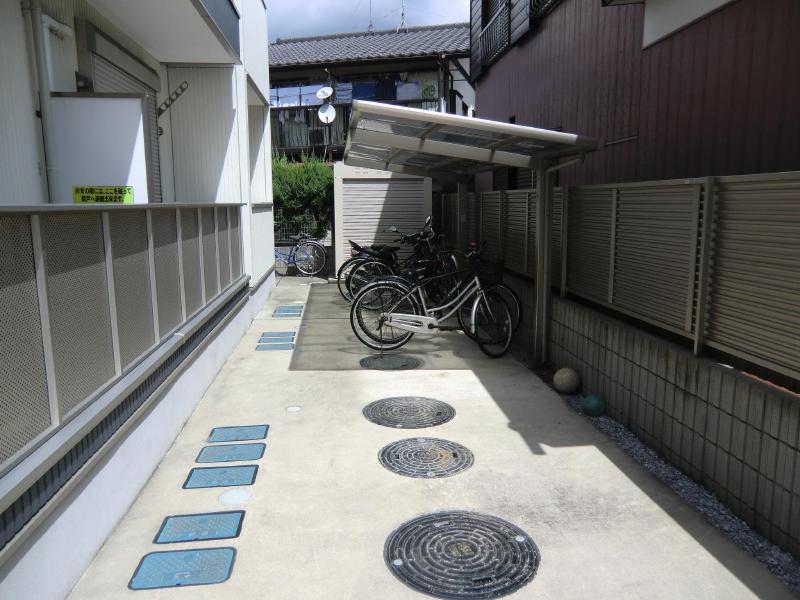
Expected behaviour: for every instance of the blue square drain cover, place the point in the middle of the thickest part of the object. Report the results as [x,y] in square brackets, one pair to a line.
[196,528]
[276,340]
[238,433]
[230,453]
[267,347]
[179,568]
[278,334]
[209,477]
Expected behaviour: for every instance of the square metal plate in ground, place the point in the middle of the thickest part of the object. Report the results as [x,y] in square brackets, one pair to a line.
[276,340]
[278,334]
[268,347]
[182,568]
[238,433]
[208,477]
[231,453]
[200,527]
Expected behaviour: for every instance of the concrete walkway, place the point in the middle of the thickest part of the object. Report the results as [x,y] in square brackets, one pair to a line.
[322,506]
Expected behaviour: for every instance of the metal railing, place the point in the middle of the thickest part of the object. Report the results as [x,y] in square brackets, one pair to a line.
[495,37]
[299,129]
[714,260]
[88,293]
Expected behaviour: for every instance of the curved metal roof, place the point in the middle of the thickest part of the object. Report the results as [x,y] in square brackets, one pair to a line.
[441,145]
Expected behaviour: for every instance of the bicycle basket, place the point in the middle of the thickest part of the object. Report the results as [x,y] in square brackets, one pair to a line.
[490,272]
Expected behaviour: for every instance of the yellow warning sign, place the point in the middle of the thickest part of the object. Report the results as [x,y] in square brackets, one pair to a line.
[102,194]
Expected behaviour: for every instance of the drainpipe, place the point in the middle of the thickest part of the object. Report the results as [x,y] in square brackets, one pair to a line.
[34,10]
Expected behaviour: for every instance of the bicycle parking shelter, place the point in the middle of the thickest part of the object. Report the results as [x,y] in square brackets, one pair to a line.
[455,148]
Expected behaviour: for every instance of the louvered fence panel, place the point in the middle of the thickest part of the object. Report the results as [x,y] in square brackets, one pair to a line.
[532,256]
[515,225]
[653,267]
[555,239]
[589,242]
[491,205]
[754,304]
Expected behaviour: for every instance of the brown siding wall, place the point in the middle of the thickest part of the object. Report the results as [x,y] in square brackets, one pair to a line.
[718,97]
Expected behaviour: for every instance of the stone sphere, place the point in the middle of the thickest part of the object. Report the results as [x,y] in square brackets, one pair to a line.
[566,381]
[594,405]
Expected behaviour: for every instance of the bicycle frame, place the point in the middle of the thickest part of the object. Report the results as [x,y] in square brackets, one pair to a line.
[428,322]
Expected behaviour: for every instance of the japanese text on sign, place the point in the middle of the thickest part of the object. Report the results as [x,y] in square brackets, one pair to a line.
[102,194]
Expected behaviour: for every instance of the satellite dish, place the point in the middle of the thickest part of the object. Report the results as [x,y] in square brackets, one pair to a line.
[326,113]
[324,92]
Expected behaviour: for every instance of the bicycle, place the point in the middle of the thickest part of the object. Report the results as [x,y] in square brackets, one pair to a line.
[307,255]
[386,314]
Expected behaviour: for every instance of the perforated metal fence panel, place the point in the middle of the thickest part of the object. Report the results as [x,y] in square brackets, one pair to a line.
[236,250]
[24,403]
[224,247]
[654,253]
[132,284]
[589,242]
[77,295]
[168,289]
[209,253]
[190,244]
[755,282]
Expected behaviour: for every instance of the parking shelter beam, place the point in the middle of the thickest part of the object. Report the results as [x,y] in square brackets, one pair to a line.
[438,148]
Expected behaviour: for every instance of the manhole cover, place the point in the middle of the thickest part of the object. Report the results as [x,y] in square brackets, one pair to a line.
[409,412]
[390,362]
[426,457]
[461,555]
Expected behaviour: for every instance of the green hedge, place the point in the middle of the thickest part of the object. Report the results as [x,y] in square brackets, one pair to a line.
[304,187]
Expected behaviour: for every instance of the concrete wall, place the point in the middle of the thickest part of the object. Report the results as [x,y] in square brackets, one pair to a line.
[735,434]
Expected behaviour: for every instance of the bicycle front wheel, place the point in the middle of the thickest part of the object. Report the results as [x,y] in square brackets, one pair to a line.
[368,315]
[344,274]
[493,324]
[310,258]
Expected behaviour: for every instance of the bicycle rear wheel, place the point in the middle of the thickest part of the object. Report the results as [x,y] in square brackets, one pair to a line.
[281,264]
[365,273]
[494,327]
[367,315]
[310,258]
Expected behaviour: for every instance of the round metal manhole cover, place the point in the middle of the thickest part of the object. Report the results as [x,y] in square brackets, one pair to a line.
[428,458]
[409,412]
[390,362]
[461,555]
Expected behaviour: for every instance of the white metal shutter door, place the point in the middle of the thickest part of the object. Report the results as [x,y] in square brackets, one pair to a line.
[372,205]
[109,78]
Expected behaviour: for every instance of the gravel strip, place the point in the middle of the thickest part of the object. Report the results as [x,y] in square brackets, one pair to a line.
[779,562]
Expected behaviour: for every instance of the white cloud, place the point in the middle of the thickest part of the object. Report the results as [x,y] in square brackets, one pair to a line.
[296,18]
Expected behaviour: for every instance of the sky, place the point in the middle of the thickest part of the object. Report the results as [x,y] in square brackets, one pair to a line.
[300,18]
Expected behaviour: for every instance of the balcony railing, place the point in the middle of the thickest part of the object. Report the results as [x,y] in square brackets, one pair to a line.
[496,36]
[299,129]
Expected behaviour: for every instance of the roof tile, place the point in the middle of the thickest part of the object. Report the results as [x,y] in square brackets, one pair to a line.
[348,47]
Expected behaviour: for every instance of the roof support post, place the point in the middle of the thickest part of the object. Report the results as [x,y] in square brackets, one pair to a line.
[544,217]
[462,210]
